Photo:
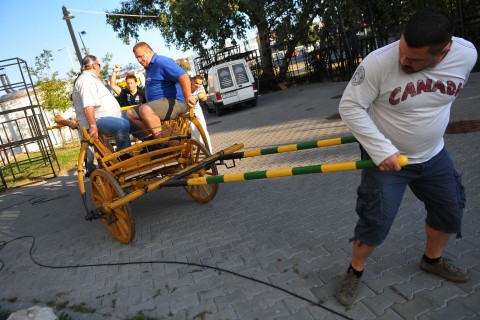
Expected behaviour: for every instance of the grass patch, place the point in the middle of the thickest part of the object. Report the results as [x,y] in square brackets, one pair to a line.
[141,316]
[67,157]
[33,168]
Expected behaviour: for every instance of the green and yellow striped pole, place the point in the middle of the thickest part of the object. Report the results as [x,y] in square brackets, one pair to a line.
[290,148]
[277,173]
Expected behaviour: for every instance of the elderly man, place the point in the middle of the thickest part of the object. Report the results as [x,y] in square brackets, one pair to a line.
[96,108]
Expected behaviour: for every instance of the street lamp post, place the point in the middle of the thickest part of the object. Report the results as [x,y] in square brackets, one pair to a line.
[80,34]
[69,55]
[67,16]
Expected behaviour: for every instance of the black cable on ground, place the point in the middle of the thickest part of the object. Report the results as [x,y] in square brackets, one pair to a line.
[4,243]
[41,199]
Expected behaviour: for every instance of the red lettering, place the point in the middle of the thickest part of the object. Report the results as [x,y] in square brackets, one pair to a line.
[422,87]
[409,91]
[451,88]
[393,101]
[439,86]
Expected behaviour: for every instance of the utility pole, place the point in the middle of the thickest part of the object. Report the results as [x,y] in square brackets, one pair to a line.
[67,16]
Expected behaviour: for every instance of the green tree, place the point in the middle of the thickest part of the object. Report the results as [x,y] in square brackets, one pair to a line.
[54,92]
[199,24]
[104,73]
[183,64]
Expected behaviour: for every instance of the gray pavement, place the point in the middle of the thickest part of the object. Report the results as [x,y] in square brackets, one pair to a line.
[288,232]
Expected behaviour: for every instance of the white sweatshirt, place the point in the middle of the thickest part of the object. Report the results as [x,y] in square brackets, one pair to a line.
[388,110]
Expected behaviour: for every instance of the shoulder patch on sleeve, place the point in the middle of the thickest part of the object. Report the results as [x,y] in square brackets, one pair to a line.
[359,76]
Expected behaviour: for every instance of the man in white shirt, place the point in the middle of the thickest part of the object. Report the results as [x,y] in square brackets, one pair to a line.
[96,108]
[398,102]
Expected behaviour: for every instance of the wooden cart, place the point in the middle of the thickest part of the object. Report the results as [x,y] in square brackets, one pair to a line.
[184,162]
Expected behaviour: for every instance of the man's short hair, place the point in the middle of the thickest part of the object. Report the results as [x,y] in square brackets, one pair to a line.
[429,27]
[131,76]
[88,61]
[142,45]
[197,77]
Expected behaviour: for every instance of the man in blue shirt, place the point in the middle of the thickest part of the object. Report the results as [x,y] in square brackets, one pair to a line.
[167,89]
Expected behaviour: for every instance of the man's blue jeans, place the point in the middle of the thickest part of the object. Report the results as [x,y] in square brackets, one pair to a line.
[133,128]
[118,127]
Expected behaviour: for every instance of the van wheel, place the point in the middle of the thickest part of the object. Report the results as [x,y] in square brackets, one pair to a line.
[253,103]
[218,110]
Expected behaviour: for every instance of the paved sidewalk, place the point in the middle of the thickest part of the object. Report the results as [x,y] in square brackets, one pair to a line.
[290,232]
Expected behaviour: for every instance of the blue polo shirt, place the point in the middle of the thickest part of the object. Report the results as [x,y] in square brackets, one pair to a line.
[161,79]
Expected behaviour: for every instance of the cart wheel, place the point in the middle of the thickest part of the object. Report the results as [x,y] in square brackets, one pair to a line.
[206,192]
[118,222]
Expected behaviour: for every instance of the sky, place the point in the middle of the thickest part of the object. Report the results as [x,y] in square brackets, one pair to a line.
[27,27]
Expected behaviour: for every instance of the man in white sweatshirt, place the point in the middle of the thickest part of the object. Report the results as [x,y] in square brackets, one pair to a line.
[398,102]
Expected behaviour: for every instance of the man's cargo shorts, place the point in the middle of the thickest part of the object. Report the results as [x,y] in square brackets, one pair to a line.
[435,182]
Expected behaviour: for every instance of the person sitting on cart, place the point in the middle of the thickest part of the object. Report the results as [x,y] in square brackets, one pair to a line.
[96,108]
[167,89]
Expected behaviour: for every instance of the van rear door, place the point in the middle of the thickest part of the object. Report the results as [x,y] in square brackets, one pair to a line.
[228,87]
[235,84]
[244,83]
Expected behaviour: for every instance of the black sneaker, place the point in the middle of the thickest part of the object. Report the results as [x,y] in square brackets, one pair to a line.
[445,269]
[347,290]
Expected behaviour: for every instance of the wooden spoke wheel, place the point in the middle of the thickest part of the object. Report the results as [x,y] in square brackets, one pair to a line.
[196,153]
[119,222]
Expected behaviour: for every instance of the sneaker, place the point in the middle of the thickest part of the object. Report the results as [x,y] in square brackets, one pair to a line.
[445,269]
[347,290]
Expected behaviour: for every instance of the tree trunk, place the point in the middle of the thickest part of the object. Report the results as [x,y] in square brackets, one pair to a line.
[268,77]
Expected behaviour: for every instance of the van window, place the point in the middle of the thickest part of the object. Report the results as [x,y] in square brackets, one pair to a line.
[224,77]
[240,73]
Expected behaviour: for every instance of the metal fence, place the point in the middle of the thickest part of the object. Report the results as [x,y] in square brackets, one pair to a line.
[335,57]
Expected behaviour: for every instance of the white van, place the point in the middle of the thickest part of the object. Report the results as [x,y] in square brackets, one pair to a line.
[230,84]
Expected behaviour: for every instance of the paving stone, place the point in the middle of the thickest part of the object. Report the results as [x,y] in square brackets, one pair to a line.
[278,310]
[470,302]
[230,299]
[382,301]
[389,314]
[244,308]
[452,311]
[442,294]
[303,314]
[385,279]
[205,310]
[415,307]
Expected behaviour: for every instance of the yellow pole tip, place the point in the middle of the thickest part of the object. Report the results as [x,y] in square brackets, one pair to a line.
[402,160]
